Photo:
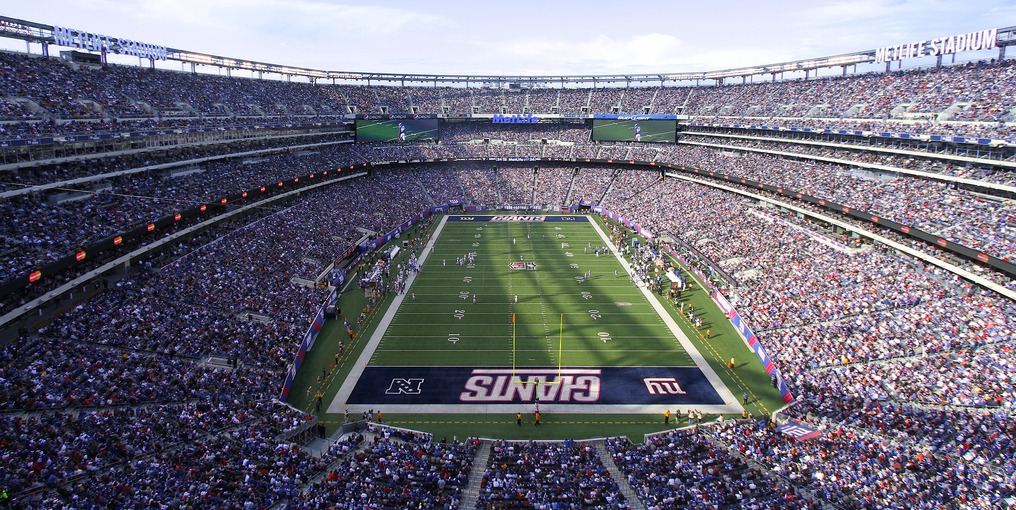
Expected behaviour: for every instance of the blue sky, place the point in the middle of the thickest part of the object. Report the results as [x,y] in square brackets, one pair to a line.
[520,37]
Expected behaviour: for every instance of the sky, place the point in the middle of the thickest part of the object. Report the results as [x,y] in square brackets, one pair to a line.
[519,37]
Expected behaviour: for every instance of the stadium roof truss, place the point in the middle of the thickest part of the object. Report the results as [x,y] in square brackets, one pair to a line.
[33,32]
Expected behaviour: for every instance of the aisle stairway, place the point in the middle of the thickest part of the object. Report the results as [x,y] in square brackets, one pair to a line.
[472,491]
[619,477]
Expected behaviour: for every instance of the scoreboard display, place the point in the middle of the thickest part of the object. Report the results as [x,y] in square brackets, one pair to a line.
[396,130]
[634,130]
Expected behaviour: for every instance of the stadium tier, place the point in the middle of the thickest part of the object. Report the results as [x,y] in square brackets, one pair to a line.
[222,292]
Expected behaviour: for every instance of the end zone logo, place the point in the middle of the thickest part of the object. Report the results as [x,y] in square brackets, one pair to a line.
[502,385]
[410,386]
[518,218]
[523,266]
[662,386]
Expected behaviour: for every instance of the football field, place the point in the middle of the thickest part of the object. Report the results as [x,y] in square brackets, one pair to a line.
[508,311]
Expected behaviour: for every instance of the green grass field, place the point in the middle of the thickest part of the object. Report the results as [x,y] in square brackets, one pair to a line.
[606,321]
[573,317]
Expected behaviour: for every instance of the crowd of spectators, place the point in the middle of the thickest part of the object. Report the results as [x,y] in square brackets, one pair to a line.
[982,437]
[861,470]
[973,219]
[686,469]
[978,156]
[115,402]
[63,90]
[865,330]
[398,469]
[50,457]
[42,229]
[858,318]
[861,160]
[541,475]
[144,343]
[918,93]
[969,96]
[152,126]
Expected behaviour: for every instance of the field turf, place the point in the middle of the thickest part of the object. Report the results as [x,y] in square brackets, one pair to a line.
[594,348]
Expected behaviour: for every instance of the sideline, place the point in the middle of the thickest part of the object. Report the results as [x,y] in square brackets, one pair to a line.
[733,404]
[356,371]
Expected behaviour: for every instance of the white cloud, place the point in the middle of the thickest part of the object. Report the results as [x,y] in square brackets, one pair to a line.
[301,18]
[601,54]
[524,37]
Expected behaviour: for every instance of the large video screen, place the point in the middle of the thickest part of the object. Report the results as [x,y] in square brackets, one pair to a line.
[396,130]
[614,130]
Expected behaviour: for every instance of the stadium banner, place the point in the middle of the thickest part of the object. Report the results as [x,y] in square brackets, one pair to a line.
[948,45]
[499,385]
[519,207]
[882,134]
[798,431]
[74,38]
[338,277]
[753,343]
[307,344]
[98,137]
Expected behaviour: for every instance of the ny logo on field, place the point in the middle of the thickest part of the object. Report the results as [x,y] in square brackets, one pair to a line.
[405,387]
[663,386]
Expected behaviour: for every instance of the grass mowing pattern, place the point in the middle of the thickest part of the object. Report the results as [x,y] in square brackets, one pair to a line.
[607,322]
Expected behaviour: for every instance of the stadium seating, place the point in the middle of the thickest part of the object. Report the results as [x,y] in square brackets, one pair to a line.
[113,404]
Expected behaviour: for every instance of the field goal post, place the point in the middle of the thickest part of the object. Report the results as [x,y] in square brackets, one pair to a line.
[560,343]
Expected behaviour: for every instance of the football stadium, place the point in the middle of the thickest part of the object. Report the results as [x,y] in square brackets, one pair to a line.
[278,287]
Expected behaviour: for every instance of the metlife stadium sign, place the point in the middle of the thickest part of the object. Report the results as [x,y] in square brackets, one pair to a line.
[515,119]
[74,38]
[983,40]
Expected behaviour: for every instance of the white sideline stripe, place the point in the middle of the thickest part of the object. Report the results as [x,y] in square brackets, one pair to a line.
[338,403]
[703,365]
